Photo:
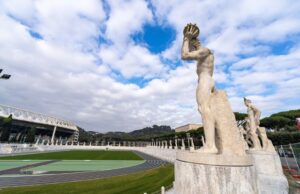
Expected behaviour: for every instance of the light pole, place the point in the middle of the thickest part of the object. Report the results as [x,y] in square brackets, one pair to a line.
[4,76]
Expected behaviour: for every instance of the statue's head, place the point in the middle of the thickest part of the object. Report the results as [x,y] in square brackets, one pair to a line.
[247,102]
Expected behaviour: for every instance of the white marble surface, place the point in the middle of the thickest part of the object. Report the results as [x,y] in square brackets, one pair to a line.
[228,137]
[193,178]
[213,159]
[269,174]
[266,163]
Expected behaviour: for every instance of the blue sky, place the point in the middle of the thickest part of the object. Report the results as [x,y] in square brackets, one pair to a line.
[157,38]
[115,65]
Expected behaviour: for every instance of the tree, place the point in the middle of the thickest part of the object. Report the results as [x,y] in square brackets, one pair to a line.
[31,135]
[240,116]
[291,128]
[275,122]
[84,136]
[284,138]
[291,114]
[6,127]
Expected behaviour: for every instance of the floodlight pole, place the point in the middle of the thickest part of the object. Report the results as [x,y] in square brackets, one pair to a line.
[4,76]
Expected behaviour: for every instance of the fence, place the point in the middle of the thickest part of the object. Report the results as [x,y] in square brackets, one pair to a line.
[290,156]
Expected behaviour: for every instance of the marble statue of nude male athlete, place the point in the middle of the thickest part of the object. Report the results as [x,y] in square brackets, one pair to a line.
[192,50]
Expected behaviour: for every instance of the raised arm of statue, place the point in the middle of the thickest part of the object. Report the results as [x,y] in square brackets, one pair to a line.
[186,54]
[191,46]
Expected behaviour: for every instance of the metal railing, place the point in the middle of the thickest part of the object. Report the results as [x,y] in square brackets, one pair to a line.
[290,156]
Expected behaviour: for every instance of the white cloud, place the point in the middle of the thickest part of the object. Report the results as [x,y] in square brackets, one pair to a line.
[126,18]
[271,81]
[68,23]
[70,72]
[136,62]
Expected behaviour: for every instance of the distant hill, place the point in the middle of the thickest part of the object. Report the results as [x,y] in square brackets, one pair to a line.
[153,131]
[141,134]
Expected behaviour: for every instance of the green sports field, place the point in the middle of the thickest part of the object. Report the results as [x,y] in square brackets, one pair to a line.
[80,160]
[136,183]
[83,165]
[78,155]
[86,160]
[8,164]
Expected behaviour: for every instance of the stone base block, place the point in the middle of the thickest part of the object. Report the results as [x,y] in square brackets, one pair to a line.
[270,178]
[194,178]
[267,184]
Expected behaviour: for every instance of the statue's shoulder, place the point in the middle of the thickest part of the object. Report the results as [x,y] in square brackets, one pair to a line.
[211,52]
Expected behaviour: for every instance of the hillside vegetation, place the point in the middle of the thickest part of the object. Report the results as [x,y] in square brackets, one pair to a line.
[282,121]
[144,134]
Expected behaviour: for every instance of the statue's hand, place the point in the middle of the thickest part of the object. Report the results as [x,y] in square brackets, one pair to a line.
[191,31]
[189,35]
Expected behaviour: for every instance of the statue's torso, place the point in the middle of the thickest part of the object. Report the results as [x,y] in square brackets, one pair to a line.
[205,65]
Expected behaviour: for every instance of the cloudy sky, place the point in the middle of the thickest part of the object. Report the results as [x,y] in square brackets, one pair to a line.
[115,65]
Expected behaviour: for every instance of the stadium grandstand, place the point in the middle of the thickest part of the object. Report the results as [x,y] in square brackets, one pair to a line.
[47,129]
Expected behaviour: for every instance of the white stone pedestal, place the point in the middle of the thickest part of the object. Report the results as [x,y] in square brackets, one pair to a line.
[269,175]
[198,173]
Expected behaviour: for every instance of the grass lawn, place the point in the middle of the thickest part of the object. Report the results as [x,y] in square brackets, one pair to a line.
[137,183]
[78,155]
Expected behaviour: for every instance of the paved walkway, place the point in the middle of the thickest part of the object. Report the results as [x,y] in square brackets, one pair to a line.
[151,162]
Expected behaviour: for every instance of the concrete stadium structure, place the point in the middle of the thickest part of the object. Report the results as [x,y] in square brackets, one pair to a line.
[48,129]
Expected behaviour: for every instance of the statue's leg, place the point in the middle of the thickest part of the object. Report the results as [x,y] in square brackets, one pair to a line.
[203,97]
[255,141]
